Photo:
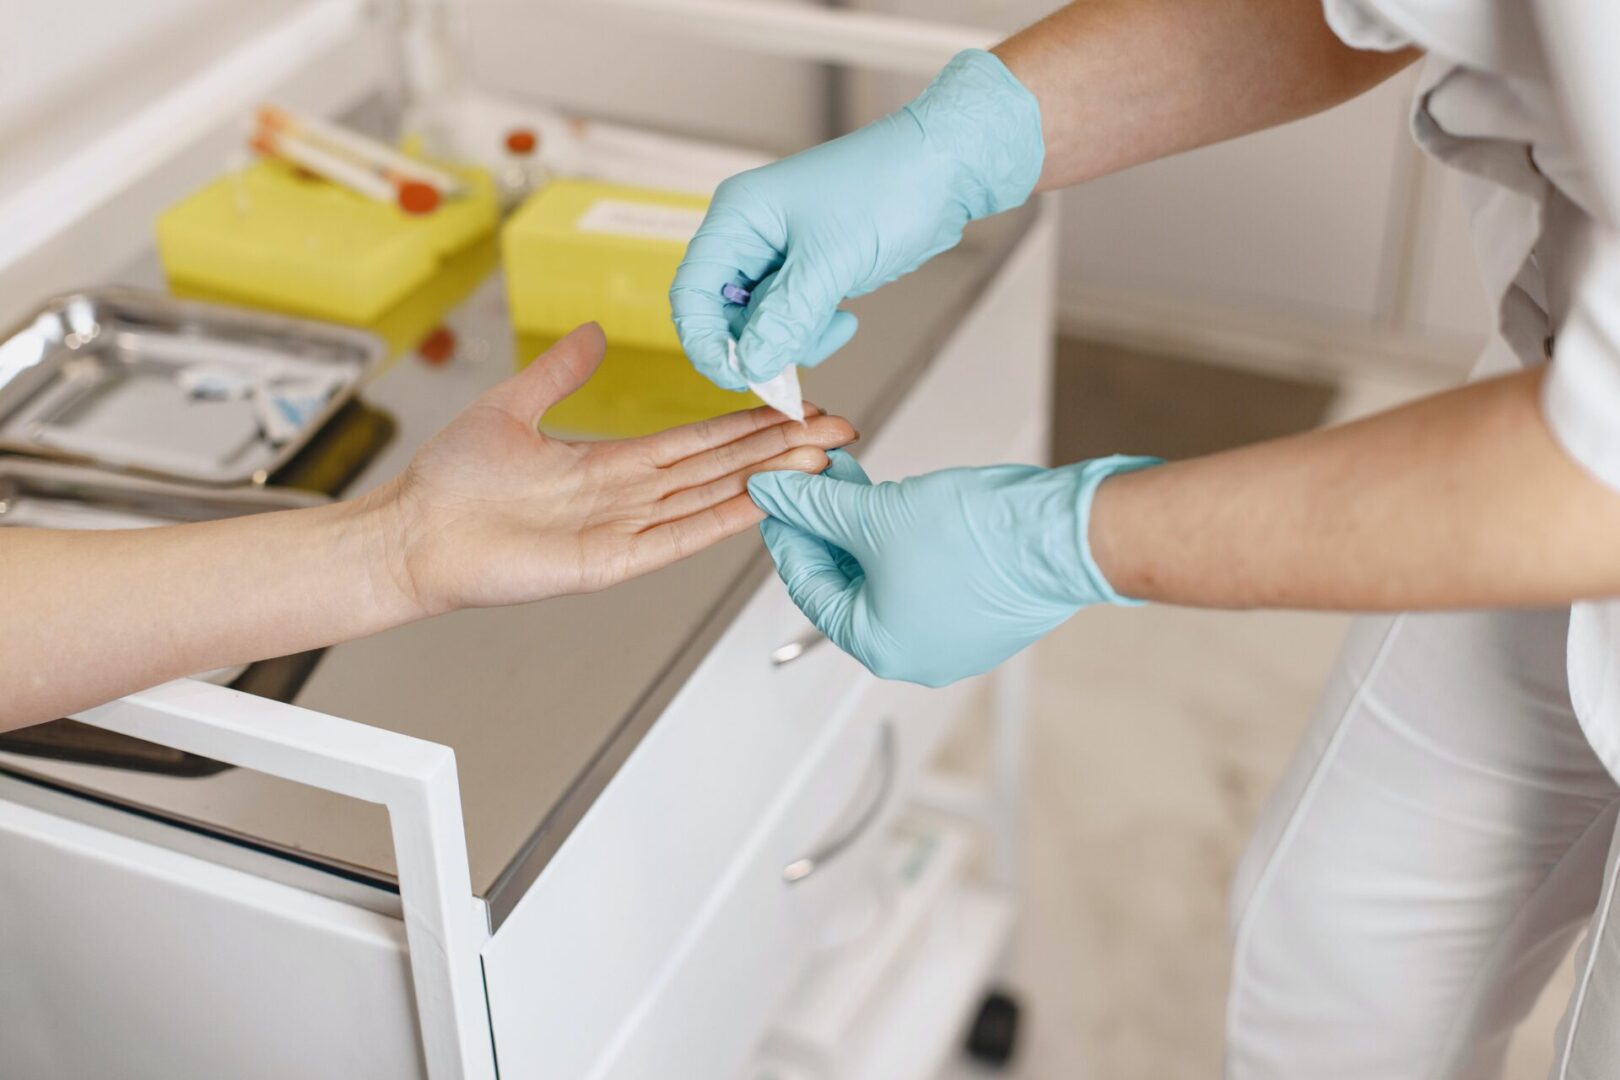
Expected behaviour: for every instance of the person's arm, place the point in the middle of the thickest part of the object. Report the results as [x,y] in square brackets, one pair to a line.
[1459,500]
[1099,86]
[489,512]
[1121,82]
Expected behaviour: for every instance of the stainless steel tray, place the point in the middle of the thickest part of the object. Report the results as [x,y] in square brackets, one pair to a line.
[48,495]
[141,383]
[45,494]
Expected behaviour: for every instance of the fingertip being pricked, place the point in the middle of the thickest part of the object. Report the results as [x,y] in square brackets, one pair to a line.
[829,432]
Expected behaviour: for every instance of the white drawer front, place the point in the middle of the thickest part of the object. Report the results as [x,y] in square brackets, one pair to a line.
[705,1015]
[581,948]
[119,958]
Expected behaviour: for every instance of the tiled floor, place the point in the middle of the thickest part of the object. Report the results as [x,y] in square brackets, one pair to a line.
[1157,733]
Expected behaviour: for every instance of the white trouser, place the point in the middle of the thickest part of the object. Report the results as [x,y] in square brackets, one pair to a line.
[1438,842]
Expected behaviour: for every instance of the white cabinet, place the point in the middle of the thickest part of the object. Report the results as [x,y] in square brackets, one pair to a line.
[565,55]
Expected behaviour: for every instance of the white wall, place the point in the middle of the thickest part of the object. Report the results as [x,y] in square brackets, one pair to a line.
[559,54]
[1324,244]
[69,66]
[76,208]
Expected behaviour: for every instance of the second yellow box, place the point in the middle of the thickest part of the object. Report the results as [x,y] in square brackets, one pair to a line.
[579,250]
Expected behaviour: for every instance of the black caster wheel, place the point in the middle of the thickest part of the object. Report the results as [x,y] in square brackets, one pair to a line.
[994,1033]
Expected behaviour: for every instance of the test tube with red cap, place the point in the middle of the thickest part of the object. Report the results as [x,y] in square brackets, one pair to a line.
[521,172]
[349,159]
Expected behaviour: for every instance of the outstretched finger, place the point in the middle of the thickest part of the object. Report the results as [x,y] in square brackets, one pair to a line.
[677,444]
[693,500]
[675,540]
[822,432]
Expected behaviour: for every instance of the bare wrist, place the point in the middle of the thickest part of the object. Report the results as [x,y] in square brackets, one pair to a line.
[382,525]
[1111,548]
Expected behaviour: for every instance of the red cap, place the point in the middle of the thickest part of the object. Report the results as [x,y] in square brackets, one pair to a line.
[521,141]
[416,197]
[438,346]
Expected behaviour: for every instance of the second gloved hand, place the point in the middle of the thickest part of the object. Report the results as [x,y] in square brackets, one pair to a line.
[840,219]
[939,576]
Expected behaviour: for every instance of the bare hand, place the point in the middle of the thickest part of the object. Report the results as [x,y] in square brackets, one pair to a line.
[493,512]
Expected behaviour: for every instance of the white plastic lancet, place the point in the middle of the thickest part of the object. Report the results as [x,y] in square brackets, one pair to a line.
[781,393]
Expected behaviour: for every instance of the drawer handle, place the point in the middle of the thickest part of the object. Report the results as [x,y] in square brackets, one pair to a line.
[786,654]
[801,868]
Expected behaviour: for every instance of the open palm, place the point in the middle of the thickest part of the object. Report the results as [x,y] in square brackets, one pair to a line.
[493,512]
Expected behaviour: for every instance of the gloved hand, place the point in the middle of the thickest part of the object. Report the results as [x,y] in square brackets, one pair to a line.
[939,576]
[840,219]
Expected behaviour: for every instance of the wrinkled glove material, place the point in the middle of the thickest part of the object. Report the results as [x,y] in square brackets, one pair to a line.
[840,219]
[941,576]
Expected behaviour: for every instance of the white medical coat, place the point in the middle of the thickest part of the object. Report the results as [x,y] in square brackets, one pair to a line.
[1524,97]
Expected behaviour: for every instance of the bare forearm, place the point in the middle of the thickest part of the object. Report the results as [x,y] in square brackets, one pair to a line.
[1463,499]
[91,615]
[1121,82]
[489,512]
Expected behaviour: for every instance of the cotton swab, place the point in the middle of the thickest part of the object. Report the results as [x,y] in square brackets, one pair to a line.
[781,393]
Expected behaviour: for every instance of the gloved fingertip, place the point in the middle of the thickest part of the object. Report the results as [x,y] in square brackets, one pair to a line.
[723,377]
[765,488]
[844,467]
[707,351]
[757,362]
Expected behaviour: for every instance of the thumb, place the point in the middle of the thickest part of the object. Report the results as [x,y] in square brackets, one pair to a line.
[820,580]
[790,315]
[843,466]
[551,376]
[834,510]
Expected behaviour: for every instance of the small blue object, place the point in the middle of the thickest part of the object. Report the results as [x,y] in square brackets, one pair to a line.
[735,294]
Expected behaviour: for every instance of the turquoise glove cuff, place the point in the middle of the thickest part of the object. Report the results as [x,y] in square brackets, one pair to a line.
[1091,474]
[975,102]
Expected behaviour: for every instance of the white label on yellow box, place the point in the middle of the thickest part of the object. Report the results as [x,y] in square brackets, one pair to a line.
[622,217]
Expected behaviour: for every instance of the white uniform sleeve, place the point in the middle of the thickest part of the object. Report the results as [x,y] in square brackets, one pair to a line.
[1581,397]
[1582,392]
[1360,25]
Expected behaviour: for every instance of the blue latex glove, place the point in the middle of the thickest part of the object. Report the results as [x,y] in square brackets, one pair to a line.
[939,576]
[840,219]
